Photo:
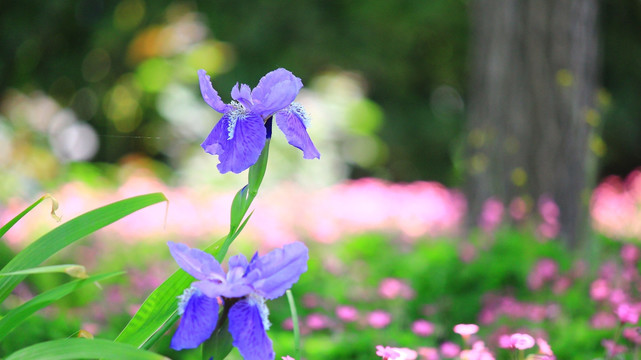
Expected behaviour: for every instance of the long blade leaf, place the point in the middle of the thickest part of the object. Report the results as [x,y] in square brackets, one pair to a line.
[71,269]
[16,316]
[54,206]
[80,348]
[69,232]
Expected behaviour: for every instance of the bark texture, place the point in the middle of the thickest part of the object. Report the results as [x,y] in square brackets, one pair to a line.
[533,82]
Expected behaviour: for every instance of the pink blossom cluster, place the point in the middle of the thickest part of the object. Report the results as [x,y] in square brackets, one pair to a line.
[616,206]
[496,306]
[549,211]
[615,292]
[477,351]
[492,213]
[546,273]
[326,215]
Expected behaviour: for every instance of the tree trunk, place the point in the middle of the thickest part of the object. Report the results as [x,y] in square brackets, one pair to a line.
[533,86]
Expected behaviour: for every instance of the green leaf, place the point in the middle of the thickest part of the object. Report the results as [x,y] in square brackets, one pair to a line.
[219,344]
[238,209]
[82,349]
[220,255]
[69,232]
[16,316]
[74,270]
[159,311]
[257,171]
[54,207]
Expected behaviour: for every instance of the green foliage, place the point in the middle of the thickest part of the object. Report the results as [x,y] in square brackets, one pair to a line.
[69,232]
[16,316]
[24,263]
[82,349]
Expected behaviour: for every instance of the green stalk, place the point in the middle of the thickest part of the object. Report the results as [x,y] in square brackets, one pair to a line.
[292,308]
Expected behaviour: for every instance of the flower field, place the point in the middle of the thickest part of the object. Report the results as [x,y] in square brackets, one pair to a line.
[389,265]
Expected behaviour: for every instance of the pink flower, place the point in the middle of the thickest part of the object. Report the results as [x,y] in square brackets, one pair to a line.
[287,324]
[544,347]
[633,335]
[347,313]
[287,357]
[317,321]
[310,300]
[478,352]
[405,353]
[466,330]
[518,209]
[491,214]
[505,342]
[522,341]
[449,350]
[561,285]
[627,314]
[386,352]
[618,296]
[428,353]
[391,288]
[630,254]
[603,320]
[613,348]
[379,319]
[599,290]
[422,328]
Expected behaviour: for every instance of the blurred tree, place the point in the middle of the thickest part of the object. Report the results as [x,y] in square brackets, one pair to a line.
[533,84]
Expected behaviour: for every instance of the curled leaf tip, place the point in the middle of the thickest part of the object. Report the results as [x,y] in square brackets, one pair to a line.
[77,271]
[54,207]
[85,334]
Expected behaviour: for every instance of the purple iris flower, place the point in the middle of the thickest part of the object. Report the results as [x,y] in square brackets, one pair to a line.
[239,137]
[243,290]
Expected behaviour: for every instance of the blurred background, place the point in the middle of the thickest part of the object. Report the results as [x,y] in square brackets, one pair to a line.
[447,109]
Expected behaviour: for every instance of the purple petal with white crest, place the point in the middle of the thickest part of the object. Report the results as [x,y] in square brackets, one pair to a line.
[275,91]
[247,330]
[237,141]
[195,262]
[210,95]
[292,121]
[242,93]
[280,269]
[197,322]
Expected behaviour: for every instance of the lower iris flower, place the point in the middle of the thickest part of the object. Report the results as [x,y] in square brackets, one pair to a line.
[243,290]
[239,137]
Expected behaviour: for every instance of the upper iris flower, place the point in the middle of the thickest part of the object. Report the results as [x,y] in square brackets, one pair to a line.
[239,137]
[243,291]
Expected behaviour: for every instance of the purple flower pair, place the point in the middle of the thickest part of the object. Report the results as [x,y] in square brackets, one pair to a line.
[239,137]
[244,288]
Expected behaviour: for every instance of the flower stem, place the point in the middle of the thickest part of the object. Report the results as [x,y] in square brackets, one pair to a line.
[292,308]
[243,200]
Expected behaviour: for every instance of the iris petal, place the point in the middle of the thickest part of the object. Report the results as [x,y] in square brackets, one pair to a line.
[210,95]
[280,269]
[197,323]
[275,91]
[226,289]
[196,263]
[247,330]
[292,121]
[239,150]
[242,94]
